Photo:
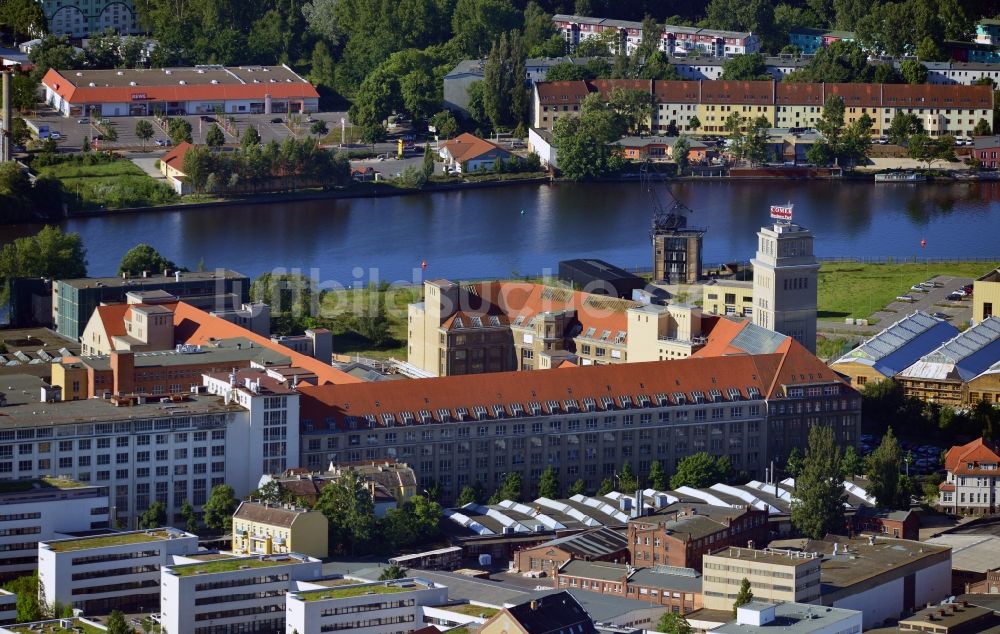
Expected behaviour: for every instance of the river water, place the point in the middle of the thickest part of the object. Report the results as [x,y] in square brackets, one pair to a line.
[527,229]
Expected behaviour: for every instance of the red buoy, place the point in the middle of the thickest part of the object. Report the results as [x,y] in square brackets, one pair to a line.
[923,242]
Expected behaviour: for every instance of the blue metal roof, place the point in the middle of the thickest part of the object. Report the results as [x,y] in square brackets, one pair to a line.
[903,343]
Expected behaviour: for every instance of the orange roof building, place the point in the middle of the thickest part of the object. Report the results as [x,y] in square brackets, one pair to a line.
[179,91]
[469,153]
[972,486]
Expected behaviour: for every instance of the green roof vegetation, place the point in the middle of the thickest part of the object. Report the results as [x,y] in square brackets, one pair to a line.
[226,565]
[105,541]
[18,486]
[347,592]
[53,627]
[471,610]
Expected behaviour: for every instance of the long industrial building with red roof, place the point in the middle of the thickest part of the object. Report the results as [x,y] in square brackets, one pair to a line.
[179,91]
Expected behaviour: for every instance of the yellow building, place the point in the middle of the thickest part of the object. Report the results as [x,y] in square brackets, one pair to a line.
[776,576]
[728,297]
[985,387]
[268,529]
[986,296]
[73,379]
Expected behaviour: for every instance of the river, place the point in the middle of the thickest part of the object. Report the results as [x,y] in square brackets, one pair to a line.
[483,232]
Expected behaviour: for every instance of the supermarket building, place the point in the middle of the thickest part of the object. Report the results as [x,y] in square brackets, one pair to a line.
[179,91]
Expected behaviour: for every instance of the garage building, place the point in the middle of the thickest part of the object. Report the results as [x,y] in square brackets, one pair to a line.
[179,91]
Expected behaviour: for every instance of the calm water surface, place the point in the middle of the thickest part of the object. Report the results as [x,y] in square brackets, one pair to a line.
[482,233]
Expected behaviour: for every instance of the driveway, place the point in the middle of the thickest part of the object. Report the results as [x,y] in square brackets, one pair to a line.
[148,165]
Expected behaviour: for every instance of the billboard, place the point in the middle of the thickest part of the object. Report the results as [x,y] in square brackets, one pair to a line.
[781,212]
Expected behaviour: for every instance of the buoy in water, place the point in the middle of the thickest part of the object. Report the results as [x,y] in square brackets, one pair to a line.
[923,242]
[423,264]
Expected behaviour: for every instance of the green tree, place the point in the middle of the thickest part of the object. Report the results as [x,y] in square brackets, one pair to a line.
[634,106]
[392,572]
[694,123]
[548,484]
[179,131]
[674,623]
[577,488]
[902,126]
[794,464]
[27,605]
[680,154]
[153,517]
[476,23]
[319,128]
[831,121]
[250,138]
[756,16]
[818,505]
[323,72]
[929,51]
[504,97]
[852,462]
[882,469]
[657,477]
[117,624]
[428,163]
[49,253]
[584,152]
[921,147]
[567,71]
[607,486]
[745,67]
[189,516]
[143,257]
[627,480]
[699,470]
[217,512]
[510,489]
[372,322]
[744,596]
[982,128]
[144,131]
[416,521]
[215,137]
[913,71]
[376,99]
[445,125]
[23,19]
[539,30]
[349,508]
[54,51]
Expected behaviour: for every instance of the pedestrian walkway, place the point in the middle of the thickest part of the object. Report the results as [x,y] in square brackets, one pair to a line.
[148,165]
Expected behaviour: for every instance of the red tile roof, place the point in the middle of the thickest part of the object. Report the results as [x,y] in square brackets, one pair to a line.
[966,459]
[677,91]
[175,157]
[605,86]
[936,96]
[65,88]
[562,93]
[558,389]
[857,95]
[738,92]
[467,147]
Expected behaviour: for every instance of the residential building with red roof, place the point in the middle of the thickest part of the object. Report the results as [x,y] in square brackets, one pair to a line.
[179,91]
[172,167]
[972,486]
[467,153]
[585,421]
[943,109]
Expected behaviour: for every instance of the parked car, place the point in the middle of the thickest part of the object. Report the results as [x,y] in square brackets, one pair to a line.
[905,298]
[961,292]
[56,135]
[207,119]
[942,315]
[954,297]
[83,120]
[277,120]
[918,288]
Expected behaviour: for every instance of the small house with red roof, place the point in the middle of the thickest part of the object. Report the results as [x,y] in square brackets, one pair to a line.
[172,167]
[468,153]
[972,486]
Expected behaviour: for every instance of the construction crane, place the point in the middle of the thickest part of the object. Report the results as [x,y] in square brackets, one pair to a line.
[664,219]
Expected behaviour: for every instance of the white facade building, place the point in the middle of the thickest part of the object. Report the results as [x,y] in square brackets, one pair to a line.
[8,607]
[799,618]
[385,607]
[784,282]
[40,511]
[118,571]
[231,594]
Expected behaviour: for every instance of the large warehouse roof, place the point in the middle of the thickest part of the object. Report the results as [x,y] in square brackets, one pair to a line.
[177,84]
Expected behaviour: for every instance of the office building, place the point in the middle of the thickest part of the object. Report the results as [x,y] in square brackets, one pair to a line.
[380,608]
[894,349]
[584,421]
[273,529]
[986,295]
[728,297]
[217,594]
[56,626]
[791,618]
[784,282]
[179,91]
[972,484]
[75,300]
[119,571]
[682,535]
[776,576]
[38,510]
[8,607]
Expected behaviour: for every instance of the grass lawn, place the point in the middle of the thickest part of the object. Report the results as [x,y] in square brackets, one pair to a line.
[342,306]
[855,289]
[108,185]
[69,170]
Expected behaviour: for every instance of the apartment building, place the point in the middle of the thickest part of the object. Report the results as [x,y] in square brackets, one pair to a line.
[217,594]
[776,576]
[943,109]
[894,348]
[972,486]
[79,19]
[943,375]
[74,300]
[385,607]
[625,35]
[810,41]
[38,510]
[682,536]
[503,326]
[391,483]
[117,571]
[585,421]
[271,529]
[785,273]
[728,297]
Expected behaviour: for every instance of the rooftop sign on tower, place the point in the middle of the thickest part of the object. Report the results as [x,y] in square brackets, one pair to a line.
[782,212]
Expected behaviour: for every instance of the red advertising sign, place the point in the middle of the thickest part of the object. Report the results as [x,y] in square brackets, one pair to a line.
[139,96]
[781,212]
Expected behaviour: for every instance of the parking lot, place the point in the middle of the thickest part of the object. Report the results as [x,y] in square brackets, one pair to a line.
[919,459]
[73,130]
[932,300]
